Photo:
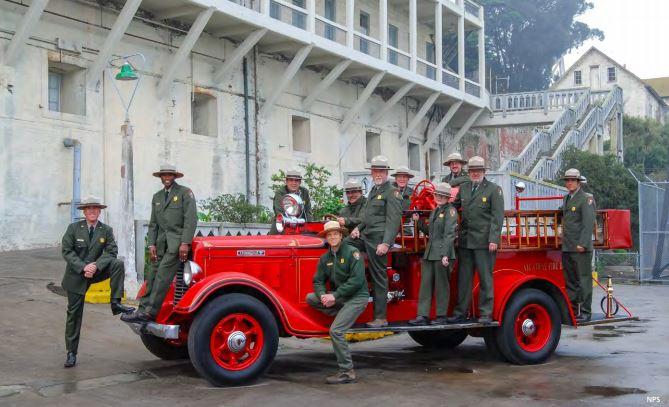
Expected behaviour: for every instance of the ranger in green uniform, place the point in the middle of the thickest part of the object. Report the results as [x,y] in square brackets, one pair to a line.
[346,297]
[349,215]
[293,186]
[402,176]
[482,204]
[90,251]
[381,219]
[457,176]
[578,223]
[438,257]
[171,230]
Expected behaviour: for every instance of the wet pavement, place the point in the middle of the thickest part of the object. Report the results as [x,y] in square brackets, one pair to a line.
[625,364]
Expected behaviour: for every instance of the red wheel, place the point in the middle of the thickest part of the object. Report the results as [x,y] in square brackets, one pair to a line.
[236,341]
[530,328]
[422,197]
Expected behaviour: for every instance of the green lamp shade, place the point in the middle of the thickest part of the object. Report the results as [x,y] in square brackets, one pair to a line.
[127,73]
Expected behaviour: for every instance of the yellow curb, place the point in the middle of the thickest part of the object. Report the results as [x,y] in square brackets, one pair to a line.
[366,336]
[99,293]
[595,279]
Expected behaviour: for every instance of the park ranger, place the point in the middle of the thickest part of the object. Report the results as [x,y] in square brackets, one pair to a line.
[578,223]
[381,219]
[458,175]
[349,215]
[89,249]
[346,298]
[402,176]
[482,204]
[293,186]
[171,229]
[437,258]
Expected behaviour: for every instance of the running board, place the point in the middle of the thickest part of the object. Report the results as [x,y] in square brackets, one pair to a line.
[403,326]
[600,319]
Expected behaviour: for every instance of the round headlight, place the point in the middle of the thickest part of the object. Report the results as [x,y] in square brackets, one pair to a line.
[292,205]
[191,269]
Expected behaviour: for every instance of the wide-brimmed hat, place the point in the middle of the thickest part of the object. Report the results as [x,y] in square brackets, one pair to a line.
[402,170]
[332,226]
[572,173]
[454,157]
[168,169]
[352,185]
[476,163]
[293,174]
[442,188]
[91,202]
[380,162]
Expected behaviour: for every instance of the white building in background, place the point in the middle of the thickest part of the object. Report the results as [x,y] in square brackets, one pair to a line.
[597,71]
[231,92]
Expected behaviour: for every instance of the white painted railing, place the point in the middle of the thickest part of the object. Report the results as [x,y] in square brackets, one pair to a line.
[544,100]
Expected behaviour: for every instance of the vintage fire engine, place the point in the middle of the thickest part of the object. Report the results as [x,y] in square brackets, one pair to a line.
[237,295]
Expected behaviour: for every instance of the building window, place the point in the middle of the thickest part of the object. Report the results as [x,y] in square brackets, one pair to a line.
[612,74]
[430,57]
[66,88]
[393,41]
[372,145]
[330,14]
[301,130]
[578,78]
[414,157]
[204,115]
[435,162]
[364,23]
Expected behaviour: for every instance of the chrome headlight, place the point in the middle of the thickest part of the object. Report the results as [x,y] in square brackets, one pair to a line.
[191,270]
[292,205]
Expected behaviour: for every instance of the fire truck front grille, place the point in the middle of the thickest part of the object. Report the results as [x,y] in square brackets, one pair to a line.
[180,287]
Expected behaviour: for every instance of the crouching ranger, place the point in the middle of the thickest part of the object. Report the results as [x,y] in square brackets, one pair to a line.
[346,298]
[350,215]
[90,251]
[438,258]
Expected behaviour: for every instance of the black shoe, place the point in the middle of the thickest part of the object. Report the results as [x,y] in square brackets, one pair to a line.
[439,321]
[136,316]
[485,320]
[583,318]
[420,320]
[118,308]
[70,360]
[457,319]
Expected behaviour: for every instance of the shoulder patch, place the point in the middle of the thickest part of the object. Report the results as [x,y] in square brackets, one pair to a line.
[452,212]
[189,192]
[590,200]
[499,191]
[356,255]
[397,193]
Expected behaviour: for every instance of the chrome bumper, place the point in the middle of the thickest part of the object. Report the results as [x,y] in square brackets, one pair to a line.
[159,330]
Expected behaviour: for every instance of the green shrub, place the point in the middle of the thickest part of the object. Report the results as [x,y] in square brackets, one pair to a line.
[234,209]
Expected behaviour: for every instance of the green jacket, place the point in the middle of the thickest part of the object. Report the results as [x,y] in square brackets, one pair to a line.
[441,229]
[78,251]
[382,214]
[406,196]
[482,214]
[345,270]
[456,181]
[578,221]
[352,213]
[173,221]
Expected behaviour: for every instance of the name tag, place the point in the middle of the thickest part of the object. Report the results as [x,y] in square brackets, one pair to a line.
[80,240]
[156,203]
[329,264]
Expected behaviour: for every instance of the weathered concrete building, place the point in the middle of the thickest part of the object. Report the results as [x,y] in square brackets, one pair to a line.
[231,91]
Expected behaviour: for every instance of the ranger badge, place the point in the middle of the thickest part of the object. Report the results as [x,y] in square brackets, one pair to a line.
[484,199]
[379,197]
[573,209]
[176,198]
[341,261]
[102,240]
[441,215]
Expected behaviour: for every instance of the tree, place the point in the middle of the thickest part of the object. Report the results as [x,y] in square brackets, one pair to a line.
[645,143]
[524,38]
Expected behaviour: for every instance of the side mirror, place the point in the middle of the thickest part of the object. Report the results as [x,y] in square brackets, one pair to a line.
[520,187]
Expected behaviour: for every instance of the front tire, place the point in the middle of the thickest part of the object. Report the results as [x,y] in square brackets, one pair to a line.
[442,339]
[163,348]
[530,329]
[233,339]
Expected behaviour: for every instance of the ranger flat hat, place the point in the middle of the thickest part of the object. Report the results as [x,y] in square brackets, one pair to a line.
[442,188]
[91,202]
[352,185]
[168,169]
[402,170]
[380,162]
[293,174]
[454,157]
[332,226]
[476,163]
[572,173]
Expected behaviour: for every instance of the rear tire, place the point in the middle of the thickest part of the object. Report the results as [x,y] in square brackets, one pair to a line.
[442,339]
[490,339]
[164,349]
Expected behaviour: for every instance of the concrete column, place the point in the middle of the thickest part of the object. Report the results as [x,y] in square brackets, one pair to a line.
[481,51]
[413,36]
[461,49]
[350,18]
[383,27]
[311,16]
[438,39]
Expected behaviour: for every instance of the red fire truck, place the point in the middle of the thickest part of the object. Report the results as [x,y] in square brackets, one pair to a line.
[237,295]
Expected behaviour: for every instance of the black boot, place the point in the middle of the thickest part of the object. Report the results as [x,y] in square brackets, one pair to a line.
[457,319]
[70,360]
[136,316]
[118,308]
[420,320]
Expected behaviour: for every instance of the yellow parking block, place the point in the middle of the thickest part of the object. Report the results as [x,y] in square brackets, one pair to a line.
[99,293]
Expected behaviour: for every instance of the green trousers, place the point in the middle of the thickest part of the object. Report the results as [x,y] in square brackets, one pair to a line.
[483,261]
[577,269]
[158,280]
[377,272]
[345,314]
[75,302]
[434,277]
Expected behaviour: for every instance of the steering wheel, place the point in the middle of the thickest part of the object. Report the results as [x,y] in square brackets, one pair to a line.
[423,196]
[330,216]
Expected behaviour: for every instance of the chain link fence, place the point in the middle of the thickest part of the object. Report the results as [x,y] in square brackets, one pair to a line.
[653,232]
[620,265]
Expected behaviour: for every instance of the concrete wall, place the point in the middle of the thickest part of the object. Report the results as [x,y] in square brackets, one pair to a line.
[36,169]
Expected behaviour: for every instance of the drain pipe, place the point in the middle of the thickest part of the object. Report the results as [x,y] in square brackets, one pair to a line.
[76,176]
[247,158]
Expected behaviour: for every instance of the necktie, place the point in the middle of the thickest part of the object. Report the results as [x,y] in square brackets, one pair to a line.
[167,194]
[90,232]
[474,187]
[568,197]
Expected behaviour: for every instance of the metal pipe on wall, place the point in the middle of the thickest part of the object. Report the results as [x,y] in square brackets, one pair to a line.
[247,158]
[76,176]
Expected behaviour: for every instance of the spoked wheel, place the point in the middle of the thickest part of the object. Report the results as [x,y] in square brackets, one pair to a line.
[233,339]
[422,197]
[446,339]
[530,329]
